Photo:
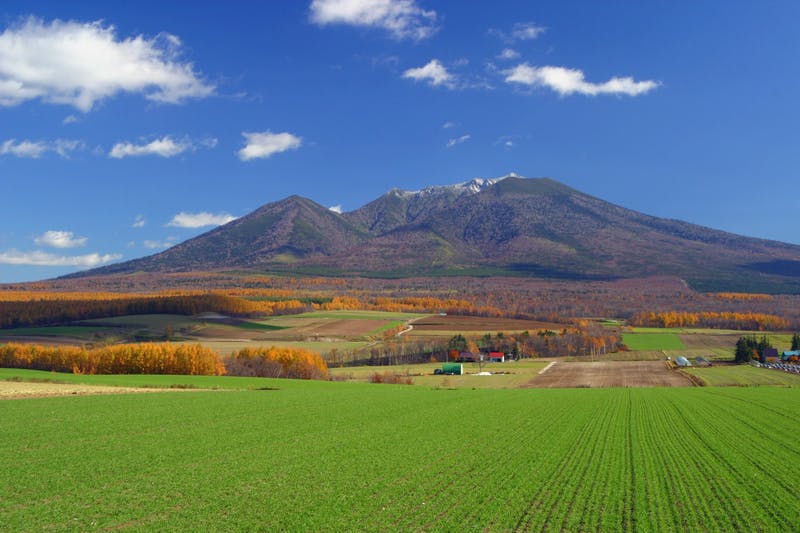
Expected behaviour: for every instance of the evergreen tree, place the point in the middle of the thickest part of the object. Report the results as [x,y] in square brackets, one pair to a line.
[744,350]
[458,343]
[796,341]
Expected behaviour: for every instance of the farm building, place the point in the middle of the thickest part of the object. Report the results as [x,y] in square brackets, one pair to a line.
[497,357]
[769,355]
[790,355]
[682,361]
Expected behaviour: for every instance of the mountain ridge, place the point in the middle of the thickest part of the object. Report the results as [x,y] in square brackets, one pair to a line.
[503,226]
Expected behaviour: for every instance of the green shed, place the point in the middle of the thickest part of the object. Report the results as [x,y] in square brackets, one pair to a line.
[453,368]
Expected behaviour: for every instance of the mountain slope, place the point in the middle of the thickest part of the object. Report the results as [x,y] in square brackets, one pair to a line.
[511,225]
[280,233]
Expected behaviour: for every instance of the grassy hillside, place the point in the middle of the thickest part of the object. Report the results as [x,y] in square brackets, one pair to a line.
[330,456]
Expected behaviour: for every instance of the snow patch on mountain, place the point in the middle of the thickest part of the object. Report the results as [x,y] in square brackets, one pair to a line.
[473,186]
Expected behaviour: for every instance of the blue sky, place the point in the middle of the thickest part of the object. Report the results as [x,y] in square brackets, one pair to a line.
[128,127]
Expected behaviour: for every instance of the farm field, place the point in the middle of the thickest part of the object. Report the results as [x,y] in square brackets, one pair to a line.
[610,374]
[449,325]
[350,456]
[744,376]
[515,374]
[28,389]
[141,380]
[653,341]
[321,331]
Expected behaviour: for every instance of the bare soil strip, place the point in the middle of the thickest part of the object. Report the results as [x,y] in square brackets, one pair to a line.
[21,389]
[611,374]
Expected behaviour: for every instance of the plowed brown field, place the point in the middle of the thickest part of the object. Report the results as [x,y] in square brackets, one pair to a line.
[610,374]
[477,323]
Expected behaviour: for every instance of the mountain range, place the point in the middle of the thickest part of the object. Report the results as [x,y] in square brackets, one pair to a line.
[506,226]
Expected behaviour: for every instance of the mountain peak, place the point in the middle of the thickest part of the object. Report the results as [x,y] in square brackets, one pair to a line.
[508,225]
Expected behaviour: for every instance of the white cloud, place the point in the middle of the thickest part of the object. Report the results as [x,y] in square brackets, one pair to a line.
[567,81]
[434,73]
[458,140]
[164,147]
[404,19]
[81,63]
[526,31]
[26,148]
[69,119]
[508,53]
[521,31]
[139,222]
[36,149]
[336,208]
[199,220]
[261,145]
[60,239]
[39,258]
[447,125]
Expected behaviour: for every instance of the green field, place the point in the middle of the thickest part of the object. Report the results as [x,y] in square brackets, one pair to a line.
[653,341]
[78,332]
[744,376]
[316,456]
[514,374]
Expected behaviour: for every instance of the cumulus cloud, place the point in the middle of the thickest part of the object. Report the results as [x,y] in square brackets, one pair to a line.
[336,208]
[36,149]
[521,31]
[82,63]
[69,119]
[199,220]
[39,258]
[434,73]
[164,147]
[567,81]
[403,19]
[458,140]
[60,239]
[261,145]
[449,124]
[139,222]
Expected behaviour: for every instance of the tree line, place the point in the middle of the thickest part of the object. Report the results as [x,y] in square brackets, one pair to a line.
[166,358]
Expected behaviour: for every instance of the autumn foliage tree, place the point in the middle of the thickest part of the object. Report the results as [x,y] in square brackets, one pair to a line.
[144,358]
[277,362]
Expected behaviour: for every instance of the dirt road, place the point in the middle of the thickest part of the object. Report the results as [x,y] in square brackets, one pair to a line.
[20,389]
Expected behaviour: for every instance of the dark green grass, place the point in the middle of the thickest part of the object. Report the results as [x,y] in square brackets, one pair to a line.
[320,456]
[79,332]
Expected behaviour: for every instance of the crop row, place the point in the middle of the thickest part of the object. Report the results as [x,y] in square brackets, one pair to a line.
[349,456]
